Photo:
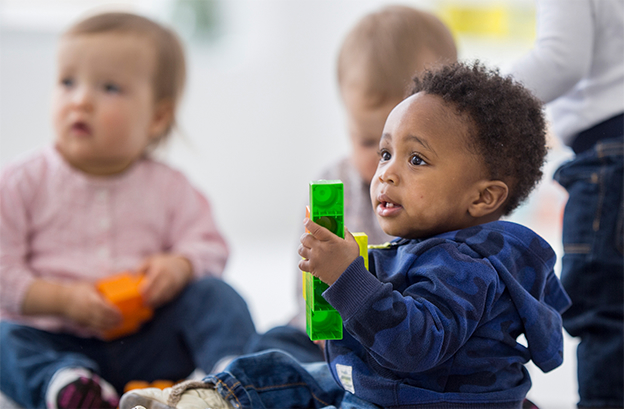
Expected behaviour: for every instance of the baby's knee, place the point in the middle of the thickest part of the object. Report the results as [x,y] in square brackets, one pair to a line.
[211,290]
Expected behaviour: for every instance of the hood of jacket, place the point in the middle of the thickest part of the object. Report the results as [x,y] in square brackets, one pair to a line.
[514,251]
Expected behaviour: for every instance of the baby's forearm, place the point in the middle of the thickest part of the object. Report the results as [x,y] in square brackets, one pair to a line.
[45,298]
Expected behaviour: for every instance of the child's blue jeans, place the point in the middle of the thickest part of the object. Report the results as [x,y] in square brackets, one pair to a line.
[593,271]
[207,322]
[274,379]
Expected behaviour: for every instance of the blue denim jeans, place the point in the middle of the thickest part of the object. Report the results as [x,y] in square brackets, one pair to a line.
[207,322]
[274,379]
[288,339]
[593,271]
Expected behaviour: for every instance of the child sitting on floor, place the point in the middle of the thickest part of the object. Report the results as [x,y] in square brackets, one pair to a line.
[436,321]
[95,204]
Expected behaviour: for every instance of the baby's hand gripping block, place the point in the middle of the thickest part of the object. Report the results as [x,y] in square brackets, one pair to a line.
[122,290]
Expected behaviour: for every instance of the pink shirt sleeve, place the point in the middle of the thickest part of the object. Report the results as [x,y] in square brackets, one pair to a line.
[16,191]
[193,232]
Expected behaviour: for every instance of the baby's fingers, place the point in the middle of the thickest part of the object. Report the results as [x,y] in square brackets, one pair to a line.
[104,317]
[317,230]
[304,265]
[161,292]
[110,315]
[303,251]
[307,240]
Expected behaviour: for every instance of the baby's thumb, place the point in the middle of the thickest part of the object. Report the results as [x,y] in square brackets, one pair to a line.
[319,232]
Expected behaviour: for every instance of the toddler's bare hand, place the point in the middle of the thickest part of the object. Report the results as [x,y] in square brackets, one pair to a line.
[85,306]
[326,255]
[165,276]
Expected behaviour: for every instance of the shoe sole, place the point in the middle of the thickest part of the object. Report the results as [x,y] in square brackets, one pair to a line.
[134,401]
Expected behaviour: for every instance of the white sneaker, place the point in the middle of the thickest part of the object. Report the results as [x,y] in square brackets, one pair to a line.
[185,395]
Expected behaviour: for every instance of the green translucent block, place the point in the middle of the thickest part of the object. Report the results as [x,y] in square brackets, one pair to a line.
[323,325]
[327,209]
[327,205]
[315,287]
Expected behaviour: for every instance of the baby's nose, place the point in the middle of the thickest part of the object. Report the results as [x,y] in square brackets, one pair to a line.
[82,97]
[388,175]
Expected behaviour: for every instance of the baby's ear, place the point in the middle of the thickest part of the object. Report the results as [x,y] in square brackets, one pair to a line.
[161,120]
[493,194]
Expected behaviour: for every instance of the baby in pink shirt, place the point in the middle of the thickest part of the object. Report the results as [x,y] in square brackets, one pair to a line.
[95,204]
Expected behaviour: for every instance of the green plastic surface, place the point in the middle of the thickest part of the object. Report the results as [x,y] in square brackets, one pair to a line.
[327,209]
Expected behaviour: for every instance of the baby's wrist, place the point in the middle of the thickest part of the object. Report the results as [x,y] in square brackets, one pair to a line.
[64,300]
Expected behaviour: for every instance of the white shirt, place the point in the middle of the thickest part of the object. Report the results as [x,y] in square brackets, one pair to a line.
[577,63]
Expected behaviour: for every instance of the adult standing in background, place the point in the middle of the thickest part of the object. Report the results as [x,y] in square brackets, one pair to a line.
[577,67]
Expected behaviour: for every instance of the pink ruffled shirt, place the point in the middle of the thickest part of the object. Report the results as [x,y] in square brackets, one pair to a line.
[60,224]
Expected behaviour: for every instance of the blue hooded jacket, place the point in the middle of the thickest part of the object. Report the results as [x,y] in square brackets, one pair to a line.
[437,322]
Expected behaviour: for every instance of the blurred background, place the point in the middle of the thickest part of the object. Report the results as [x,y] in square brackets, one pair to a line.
[262,117]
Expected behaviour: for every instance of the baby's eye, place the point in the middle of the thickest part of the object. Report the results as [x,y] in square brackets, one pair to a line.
[67,82]
[112,88]
[417,160]
[384,156]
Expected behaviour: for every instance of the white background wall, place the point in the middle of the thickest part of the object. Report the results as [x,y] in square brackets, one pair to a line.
[261,118]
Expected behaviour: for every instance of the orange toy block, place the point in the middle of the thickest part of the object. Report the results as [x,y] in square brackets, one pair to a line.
[122,290]
[136,385]
[159,383]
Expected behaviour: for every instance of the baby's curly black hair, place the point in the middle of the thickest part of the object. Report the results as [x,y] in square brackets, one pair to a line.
[508,128]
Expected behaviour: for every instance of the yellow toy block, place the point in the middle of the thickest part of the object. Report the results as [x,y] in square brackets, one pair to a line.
[362,241]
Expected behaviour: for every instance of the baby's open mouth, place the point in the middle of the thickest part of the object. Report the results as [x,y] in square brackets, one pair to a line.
[81,127]
[385,208]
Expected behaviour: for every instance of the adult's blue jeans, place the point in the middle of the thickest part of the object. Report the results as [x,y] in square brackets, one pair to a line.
[592,270]
[206,322]
[274,379]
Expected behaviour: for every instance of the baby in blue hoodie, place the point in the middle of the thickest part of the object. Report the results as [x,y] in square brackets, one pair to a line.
[435,322]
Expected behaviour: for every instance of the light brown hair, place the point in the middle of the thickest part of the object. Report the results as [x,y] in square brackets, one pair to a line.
[386,48]
[170,73]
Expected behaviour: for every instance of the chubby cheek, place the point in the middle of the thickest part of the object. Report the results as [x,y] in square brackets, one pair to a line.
[59,119]
[374,187]
[422,200]
[117,122]
[112,119]
[394,227]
